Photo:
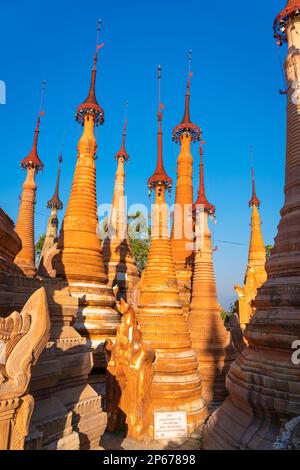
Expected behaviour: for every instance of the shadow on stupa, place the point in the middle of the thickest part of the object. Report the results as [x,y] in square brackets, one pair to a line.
[216,363]
[65,402]
[58,394]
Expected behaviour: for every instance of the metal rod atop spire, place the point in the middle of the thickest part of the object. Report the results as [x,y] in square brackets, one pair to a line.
[98,32]
[190,62]
[42,97]
[90,104]
[254,201]
[186,124]
[122,152]
[159,176]
[98,46]
[60,158]
[125,124]
[190,73]
[201,151]
[126,116]
[251,155]
[159,86]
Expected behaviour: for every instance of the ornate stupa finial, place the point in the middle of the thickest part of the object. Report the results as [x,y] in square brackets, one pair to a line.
[32,160]
[291,10]
[254,201]
[186,124]
[201,199]
[122,152]
[55,202]
[159,176]
[90,105]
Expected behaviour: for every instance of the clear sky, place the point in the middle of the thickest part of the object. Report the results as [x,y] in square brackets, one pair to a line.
[235,101]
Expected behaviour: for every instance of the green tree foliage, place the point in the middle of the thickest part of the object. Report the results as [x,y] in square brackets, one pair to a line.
[268,250]
[39,246]
[140,250]
[226,314]
[138,232]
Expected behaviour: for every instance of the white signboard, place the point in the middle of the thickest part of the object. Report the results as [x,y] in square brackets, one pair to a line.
[170,425]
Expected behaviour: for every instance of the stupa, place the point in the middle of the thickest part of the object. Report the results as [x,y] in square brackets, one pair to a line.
[80,259]
[67,410]
[210,339]
[54,204]
[182,235]
[118,257]
[264,381]
[25,223]
[256,272]
[176,383]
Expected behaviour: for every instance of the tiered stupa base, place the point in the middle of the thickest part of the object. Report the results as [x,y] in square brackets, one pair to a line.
[263,383]
[68,411]
[184,280]
[215,353]
[96,318]
[121,270]
[176,384]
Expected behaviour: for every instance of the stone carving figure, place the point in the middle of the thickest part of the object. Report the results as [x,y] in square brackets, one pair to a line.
[130,364]
[23,336]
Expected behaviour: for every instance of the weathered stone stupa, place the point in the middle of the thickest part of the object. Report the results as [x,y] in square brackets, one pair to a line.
[210,339]
[117,253]
[182,236]
[54,204]
[176,384]
[25,223]
[67,412]
[80,259]
[256,271]
[264,383]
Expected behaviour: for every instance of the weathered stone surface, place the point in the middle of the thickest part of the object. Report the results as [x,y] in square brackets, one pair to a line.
[10,245]
[131,371]
[264,383]
[210,339]
[25,224]
[22,339]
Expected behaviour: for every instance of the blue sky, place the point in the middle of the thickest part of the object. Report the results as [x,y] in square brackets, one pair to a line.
[235,101]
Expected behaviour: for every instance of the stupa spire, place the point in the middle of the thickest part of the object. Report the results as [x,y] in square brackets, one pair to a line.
[122,152]
[161,317]
[186,124]
[256,271]
[25,223]
[79,260]
[55,205]
[90,104]
[202,199]
[159,176]
[254,199]
[32,158]
[55,202]
[117,253]
[210,340]
[182,227]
